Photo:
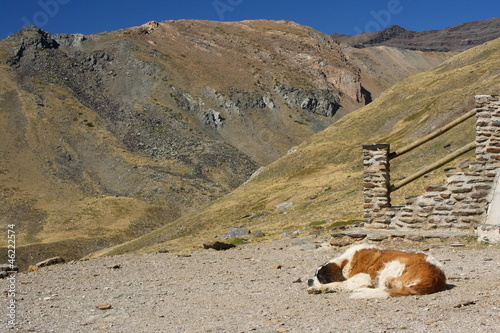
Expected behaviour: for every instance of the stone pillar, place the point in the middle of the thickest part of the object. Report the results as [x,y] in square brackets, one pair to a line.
[376,188]
[488,130]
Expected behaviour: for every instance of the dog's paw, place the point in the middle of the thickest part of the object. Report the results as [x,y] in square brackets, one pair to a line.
[319,290]
[314,290]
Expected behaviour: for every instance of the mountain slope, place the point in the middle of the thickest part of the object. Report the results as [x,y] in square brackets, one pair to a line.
[383,66]
[456,38]
[109,136]
[321,181]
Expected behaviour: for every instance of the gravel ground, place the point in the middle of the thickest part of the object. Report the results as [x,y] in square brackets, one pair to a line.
[253,288]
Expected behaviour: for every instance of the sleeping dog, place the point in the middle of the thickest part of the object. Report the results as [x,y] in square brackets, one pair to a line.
[370,272]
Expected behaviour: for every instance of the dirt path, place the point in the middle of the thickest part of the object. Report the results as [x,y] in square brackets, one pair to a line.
[254,288]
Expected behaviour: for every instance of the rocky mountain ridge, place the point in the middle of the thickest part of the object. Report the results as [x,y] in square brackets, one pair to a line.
[456,38]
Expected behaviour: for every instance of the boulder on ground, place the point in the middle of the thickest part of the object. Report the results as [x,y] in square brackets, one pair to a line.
[218,245]
[49,262]
[236,232]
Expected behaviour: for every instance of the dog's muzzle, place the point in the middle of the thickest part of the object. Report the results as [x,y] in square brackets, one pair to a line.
[310,282]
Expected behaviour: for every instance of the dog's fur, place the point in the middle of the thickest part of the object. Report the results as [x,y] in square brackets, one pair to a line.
[370,272]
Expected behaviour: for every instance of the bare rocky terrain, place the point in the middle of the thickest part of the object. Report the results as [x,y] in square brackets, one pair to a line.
[259,287]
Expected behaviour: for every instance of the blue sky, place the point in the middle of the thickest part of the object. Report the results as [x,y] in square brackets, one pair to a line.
[328,16]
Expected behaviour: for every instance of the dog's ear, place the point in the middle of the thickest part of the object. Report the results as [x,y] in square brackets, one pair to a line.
[330,272]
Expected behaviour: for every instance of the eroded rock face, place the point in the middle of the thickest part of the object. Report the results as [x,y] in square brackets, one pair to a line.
[322,102]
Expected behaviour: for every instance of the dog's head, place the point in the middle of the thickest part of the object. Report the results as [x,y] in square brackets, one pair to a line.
[329,272]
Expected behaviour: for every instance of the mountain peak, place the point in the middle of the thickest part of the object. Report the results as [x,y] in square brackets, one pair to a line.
[396,29]
[30,37]
[34,36]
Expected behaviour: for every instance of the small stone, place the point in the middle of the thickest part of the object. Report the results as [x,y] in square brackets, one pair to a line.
[416,238]
[299,280]
[162,251]
[278,266]
[461,305]
[340,243]
[457,245]
[377,237]
[355,235]
[435,188]
[103,306]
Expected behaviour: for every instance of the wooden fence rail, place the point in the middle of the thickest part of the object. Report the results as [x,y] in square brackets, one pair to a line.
[433,135]
[426,139]
[433,166]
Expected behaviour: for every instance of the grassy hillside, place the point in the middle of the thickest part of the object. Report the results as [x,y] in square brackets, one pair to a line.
[322,176]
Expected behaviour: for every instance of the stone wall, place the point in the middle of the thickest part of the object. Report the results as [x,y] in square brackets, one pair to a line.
[460,204]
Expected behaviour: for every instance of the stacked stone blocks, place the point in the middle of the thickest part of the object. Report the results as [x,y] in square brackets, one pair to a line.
[460,204]
[376,183]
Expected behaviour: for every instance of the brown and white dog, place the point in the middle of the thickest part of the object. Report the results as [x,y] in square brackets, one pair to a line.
[370,272]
